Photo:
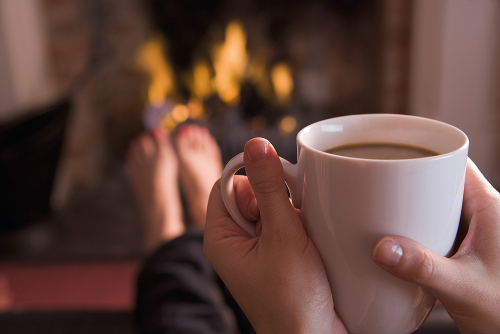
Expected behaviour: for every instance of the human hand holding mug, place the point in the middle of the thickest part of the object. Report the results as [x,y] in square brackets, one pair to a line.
[468,283]
[277,277]
[347,203]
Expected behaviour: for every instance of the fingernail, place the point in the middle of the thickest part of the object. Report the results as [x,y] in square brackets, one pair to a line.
[388,253]
[253,209]
[257,150]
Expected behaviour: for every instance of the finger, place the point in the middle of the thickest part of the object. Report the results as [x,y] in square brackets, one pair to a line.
[267,179]
[225,243]
[478,192]
[245,198]
[412,262]
[220,228]
[219,220]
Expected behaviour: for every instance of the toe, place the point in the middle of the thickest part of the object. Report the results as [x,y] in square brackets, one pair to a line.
[147,146]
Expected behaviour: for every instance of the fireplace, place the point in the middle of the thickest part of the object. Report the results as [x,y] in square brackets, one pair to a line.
[241,68]
[265,68]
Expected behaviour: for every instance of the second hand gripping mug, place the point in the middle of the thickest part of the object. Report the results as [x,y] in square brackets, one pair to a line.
[347,203]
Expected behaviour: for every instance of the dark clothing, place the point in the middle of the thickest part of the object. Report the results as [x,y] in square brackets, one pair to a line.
[179,292]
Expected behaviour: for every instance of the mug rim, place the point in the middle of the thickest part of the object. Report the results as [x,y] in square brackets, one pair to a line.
[462,147]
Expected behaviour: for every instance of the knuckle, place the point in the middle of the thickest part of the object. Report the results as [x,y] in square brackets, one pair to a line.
[266,184]
[424,268]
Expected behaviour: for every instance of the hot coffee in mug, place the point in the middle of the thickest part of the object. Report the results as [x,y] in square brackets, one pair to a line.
[359,178]
[384,151]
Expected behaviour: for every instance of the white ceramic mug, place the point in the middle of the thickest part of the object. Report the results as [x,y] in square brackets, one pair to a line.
[348,203]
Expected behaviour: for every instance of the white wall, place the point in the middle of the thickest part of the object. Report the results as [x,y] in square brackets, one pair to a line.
[454,72]
[24,72]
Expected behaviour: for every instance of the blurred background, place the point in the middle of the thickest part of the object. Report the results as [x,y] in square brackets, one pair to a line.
[80,78]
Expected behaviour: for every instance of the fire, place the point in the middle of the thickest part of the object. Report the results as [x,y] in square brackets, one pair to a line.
[281,76]
[202,82]
[201,89]
[288,124]
[223,74]
[180,113]
[152,57]
[258,75]
[230,63]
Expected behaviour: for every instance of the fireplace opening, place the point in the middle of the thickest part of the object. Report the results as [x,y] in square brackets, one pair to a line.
[260,68]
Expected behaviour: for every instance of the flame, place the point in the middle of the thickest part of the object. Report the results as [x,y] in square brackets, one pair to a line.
[259,76]
[180,113]
[167,123]
[152,57]
[201,88]
[281,76]
[177,115]
[231,66]
[230,63]
[196,109]
[288,124]
[202,83]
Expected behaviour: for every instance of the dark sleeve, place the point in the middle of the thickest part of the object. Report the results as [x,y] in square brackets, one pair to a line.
[179,292]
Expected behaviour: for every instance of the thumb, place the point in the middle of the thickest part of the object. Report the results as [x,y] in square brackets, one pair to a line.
[265,174]
[412,262]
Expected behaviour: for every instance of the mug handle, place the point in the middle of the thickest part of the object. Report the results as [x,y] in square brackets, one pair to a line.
[292,180]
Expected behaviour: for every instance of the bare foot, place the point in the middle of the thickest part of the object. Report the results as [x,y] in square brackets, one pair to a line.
[153,170]
[200,165]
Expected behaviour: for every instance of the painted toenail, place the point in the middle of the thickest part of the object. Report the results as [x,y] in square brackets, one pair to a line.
[184,130]
[157,132]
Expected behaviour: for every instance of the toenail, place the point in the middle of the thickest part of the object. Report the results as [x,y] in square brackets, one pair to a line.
[183,130]
[157,132]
